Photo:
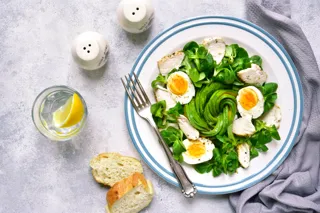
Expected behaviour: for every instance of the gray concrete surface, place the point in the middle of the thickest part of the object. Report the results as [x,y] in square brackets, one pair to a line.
[37,175]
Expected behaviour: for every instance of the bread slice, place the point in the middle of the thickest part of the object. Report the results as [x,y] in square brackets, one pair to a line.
[129,195]
[109,168]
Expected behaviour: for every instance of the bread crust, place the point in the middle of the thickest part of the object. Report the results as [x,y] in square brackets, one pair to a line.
[120,188]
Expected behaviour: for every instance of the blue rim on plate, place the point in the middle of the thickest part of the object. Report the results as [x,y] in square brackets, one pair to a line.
[296,118]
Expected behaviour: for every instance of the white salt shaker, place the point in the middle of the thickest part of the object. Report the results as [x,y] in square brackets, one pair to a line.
[135,16]
[89,50]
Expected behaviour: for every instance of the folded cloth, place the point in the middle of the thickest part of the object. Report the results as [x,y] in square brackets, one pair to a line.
[294,186]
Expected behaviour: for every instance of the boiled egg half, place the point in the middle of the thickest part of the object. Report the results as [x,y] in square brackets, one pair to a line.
[250,102]
[180,87]
[198,151]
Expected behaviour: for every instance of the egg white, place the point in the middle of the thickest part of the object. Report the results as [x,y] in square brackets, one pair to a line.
[188,95]
[255,111]
[209,146]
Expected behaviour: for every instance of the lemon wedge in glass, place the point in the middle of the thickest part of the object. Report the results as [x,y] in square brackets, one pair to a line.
[70,113]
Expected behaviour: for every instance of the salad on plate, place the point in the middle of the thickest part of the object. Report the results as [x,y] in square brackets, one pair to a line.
[215,108]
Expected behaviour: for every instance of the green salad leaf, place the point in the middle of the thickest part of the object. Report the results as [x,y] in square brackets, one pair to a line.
[173,137]
[269,88]
[190,46]
[202,82]
[213,165]
[253,153]
[256,60]
[264,134]
[204,167]
[171,134]
[198,63]
[162,117]
[174,112]
[160,80]
[189,67]
[229,157]
[225,75]
[242,53]
[231,51]
[204,61]
[230,162]
[158,113]
[270,96]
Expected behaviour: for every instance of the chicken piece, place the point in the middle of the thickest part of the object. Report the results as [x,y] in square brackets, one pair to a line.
[243,126]
[163,94]
[273,117]
[244,154]
[216,47]
[253,75]
[169,62]
[187,129]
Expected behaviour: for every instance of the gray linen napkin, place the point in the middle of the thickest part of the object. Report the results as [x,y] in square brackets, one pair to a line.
[294,186]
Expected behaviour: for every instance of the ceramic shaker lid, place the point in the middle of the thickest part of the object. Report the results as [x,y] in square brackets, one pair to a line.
[135,16]
[89,50]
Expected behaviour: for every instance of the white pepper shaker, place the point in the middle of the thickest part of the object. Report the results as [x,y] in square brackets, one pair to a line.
[135,16]
[89,50]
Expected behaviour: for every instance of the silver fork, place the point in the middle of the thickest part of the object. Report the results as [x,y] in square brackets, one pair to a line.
[142,105]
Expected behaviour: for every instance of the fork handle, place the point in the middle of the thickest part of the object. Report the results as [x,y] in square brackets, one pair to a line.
[188,188]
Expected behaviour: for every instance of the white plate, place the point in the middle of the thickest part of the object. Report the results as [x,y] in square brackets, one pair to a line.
[276,62]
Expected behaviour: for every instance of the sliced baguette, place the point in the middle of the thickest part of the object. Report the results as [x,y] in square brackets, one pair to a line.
[109,168]
[129,195]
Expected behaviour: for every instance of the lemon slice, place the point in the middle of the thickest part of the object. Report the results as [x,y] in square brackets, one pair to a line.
[70,113]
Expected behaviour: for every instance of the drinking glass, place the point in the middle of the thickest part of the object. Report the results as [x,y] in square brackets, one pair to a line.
[54,103]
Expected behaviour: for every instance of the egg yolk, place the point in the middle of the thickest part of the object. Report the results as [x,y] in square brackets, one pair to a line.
[178,85]
[248,99]
[196,149]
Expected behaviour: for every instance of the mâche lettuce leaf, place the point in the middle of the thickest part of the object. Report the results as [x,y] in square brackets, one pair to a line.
[158,113]
[162,117]
[160,80]
[174,112]
[264,134]
[225,75]
[256,60]
[198,63]
[173,137]
[270,96]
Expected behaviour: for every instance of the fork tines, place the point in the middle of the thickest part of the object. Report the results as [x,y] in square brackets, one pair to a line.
[136,94]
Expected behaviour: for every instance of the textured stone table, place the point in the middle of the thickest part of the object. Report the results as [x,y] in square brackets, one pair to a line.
[37,175]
